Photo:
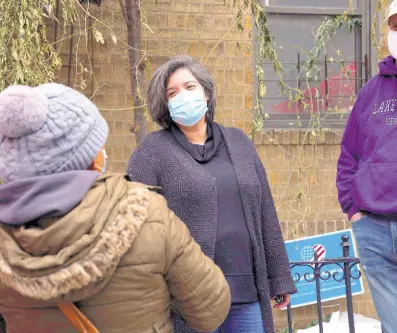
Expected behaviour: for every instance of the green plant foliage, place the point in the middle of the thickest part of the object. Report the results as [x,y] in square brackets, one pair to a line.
[26,55]
[310,69]
[323,36]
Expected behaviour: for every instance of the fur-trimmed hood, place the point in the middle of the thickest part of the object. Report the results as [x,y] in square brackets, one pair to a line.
[73,256]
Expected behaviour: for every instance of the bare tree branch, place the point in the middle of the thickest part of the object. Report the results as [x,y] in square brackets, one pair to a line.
[132,16]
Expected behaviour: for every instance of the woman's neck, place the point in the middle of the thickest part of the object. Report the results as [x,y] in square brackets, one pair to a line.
[196,134]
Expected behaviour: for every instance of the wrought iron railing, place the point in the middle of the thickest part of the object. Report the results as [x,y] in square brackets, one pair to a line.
[317,273]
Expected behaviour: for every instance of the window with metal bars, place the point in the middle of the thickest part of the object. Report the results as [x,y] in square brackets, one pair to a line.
[347,63]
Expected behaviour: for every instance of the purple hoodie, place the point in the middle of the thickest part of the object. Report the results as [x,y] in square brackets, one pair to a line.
[367,166]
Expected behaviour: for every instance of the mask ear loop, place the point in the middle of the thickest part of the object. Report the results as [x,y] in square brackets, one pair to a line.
[105,155]
[97,168]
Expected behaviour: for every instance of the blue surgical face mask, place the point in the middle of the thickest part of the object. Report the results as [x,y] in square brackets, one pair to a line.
[188,107]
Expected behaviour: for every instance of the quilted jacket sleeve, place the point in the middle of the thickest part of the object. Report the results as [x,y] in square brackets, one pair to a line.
[199,291]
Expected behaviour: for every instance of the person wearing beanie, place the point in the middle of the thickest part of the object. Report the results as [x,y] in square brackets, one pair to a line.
[83,251]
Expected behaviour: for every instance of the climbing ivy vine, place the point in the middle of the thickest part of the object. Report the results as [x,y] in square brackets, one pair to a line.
[26,54]
[266,52]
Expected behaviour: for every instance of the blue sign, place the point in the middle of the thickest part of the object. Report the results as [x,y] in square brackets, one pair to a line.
[325,246]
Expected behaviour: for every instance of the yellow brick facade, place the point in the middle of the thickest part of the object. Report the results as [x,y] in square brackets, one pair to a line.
[301,168]
[205,30]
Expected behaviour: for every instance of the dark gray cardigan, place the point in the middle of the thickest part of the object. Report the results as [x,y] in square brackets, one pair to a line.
[191,193]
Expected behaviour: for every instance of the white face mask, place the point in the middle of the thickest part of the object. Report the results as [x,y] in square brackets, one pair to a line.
[392,41]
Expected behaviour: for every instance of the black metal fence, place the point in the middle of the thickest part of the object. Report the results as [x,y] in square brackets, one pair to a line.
[317,273]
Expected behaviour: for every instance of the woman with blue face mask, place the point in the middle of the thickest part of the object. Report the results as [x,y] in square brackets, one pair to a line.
[213,179]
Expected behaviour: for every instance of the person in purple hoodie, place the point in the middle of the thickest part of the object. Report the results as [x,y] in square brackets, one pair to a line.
[367,180]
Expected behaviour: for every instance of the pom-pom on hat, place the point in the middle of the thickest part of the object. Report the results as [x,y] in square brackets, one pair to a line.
[47,129]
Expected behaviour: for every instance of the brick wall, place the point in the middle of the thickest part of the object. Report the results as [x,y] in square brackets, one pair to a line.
[301,168]
[205,30]
[302,171]
[317,211]
[384,29]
